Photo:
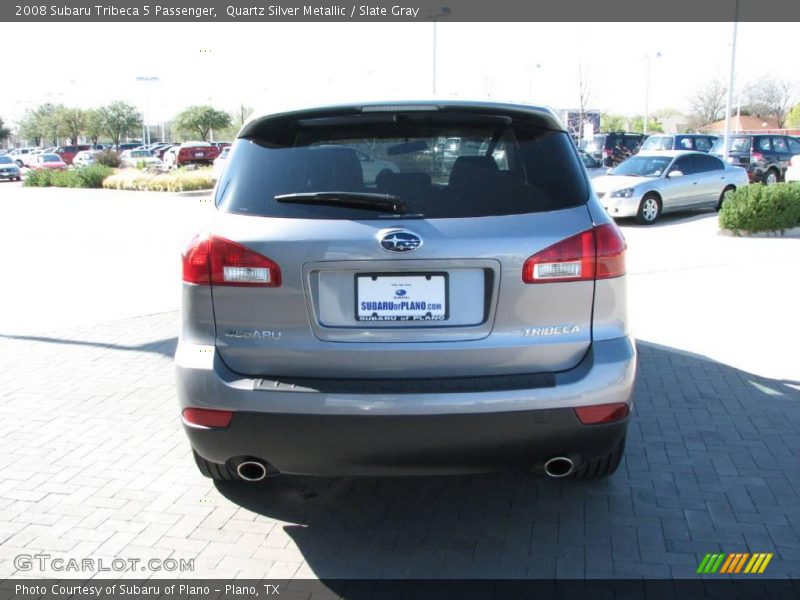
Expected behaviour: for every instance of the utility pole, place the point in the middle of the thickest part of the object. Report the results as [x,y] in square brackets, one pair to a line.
[727,137]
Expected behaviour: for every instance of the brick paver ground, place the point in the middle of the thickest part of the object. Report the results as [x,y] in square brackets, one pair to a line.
[93,463]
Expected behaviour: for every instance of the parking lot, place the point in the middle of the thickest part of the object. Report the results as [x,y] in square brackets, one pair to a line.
[95,463]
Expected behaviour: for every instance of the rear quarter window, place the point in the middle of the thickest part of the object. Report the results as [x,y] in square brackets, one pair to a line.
[439,166]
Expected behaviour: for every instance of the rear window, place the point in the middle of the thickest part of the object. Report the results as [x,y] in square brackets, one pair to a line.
[736,144]
[658,142]
[434,166]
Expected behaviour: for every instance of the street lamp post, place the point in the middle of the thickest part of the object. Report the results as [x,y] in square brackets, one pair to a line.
[727,136]
[146,111]
[443,12]
[647,92]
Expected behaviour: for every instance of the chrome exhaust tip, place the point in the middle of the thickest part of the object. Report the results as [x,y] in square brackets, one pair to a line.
[558,467]
[251,470]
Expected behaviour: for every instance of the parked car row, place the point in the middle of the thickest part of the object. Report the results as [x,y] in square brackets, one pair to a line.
[185,153]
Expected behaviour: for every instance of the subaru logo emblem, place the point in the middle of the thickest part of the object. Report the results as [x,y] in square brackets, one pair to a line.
[400,293]
[400,241]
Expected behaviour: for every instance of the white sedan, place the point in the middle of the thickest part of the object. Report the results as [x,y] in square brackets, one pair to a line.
[651,183]
[137,158]
[84,158]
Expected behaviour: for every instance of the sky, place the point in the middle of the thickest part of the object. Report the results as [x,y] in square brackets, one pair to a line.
[275,66]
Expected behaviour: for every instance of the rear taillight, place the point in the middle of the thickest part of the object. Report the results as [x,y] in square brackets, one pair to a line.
[607,152]
[207,418]
[219,261]
[595,253]
[756,156]
[602,413]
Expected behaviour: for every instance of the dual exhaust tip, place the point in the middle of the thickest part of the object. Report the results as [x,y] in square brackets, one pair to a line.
[559,466]
[255,470]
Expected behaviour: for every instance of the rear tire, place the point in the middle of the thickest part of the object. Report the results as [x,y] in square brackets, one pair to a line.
[214,470]
[601,467]
[771,177]
[723,196]
[649,210]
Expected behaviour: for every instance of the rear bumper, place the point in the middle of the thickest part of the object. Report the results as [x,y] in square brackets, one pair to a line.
[327,433]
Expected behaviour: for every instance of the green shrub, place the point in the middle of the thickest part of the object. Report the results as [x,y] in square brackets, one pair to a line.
[38,178]
[762,208]
[82,177]
[174,181]
[108,157]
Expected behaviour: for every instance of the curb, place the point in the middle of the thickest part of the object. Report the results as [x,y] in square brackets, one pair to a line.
[794,232]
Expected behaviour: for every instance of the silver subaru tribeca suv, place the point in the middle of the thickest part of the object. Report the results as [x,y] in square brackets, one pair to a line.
[372,298]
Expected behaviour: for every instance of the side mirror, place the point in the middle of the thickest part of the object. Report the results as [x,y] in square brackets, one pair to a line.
[675,173]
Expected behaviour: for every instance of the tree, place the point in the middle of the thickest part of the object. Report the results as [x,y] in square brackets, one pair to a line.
[120,119]
[609,122]
[708,103]
[653,126]
[200,121]
[793,118]
[5,132]
[41,124]
[72,122]
[770,98]
[95,125]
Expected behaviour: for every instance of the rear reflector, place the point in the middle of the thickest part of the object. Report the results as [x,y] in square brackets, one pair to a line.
[602,413]
[219,261]
[210,418]
[595,253]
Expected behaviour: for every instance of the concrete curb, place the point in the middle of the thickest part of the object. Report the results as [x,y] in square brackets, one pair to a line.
[794,232]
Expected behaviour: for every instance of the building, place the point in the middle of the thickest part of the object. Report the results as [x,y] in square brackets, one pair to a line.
[748,124]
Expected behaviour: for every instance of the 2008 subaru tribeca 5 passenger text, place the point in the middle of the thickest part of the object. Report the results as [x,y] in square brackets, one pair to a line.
[455,311]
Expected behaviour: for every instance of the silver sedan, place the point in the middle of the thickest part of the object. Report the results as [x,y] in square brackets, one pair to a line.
[651,183]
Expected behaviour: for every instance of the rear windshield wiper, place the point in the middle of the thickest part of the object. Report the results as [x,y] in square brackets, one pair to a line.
[365,200]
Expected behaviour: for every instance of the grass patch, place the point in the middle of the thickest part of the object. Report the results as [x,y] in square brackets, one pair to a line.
[82,177]
[174,181]
[755,208]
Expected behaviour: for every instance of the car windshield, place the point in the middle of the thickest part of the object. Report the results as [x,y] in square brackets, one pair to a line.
[658,142]
[50,158]
[4,160]
[643,166]
[736,144]
[141,153]
[411,162]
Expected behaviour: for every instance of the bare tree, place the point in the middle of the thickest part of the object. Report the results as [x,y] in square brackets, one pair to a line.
[770,98]
[584,97]
[708,103]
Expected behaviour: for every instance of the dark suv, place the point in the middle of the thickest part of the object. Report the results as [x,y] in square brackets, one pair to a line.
[680,141]
[612,148]
[765,156]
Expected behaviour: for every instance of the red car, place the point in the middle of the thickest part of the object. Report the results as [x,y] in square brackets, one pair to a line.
[189,153]
[47,161]
[67,153]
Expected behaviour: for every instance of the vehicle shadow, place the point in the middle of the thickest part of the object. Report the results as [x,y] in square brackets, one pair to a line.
[674,218]
[707,444]
[165,347]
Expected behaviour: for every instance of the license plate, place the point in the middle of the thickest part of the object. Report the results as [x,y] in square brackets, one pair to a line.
[198,154]
[409,297]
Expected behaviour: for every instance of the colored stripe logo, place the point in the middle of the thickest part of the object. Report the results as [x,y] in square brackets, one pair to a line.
[735,562]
